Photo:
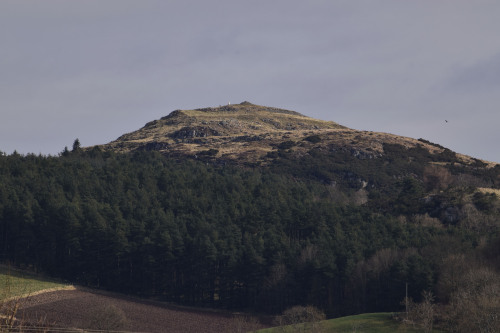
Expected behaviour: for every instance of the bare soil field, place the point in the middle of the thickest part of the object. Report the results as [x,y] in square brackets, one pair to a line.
[90,309]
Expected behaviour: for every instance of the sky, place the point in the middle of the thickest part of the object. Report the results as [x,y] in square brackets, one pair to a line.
[96,69]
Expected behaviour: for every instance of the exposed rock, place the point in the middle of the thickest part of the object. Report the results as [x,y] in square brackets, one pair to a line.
[194,132]
[451,215]
[154,146]
[247,138]
[361,154]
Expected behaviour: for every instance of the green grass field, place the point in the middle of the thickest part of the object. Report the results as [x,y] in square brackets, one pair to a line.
[14,283]
[363,323]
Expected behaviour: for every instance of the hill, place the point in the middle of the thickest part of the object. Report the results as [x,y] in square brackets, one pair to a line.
[252,134]
[294,211]
[227,130]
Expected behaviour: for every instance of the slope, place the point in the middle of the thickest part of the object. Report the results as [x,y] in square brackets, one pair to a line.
[252,134]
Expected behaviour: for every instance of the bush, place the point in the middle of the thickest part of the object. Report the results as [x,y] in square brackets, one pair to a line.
[302,319]
[286,145]
[313,139]
[422,314]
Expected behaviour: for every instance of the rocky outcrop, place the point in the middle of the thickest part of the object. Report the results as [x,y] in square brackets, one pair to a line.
[154,145]
[194,132]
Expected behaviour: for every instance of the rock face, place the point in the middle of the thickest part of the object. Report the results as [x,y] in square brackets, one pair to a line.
[249,133]
[194,132]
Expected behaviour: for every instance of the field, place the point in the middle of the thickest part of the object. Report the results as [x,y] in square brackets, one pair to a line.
[50,304]
[16,283]
[103,311]
[53,304]
[364,323]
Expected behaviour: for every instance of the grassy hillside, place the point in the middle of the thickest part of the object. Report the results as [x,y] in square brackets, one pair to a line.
[15,283]
[252,134]
[366,323]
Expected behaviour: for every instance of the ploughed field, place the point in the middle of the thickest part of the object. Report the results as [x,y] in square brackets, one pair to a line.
[90,309]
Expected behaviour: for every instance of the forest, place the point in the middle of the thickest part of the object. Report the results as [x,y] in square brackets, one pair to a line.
[343,233]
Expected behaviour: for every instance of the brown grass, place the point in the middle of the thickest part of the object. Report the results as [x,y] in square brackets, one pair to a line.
[219,127]
[489,191]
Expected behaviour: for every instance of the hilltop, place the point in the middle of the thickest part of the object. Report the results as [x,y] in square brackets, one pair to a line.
[249,133]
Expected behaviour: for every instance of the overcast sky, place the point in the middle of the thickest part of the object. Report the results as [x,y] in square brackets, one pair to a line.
[96,69]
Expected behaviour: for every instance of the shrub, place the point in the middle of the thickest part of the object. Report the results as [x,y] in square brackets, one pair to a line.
[286,145]
[302,319]
[313,139]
